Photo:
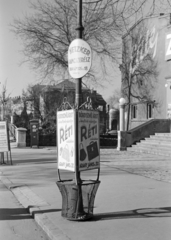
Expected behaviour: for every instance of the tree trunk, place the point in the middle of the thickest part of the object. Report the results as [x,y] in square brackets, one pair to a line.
[129,108]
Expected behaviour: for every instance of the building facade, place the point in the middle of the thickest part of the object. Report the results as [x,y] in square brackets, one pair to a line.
[52,96]
[151,97]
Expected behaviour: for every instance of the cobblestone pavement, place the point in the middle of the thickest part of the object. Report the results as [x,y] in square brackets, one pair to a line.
[148,165]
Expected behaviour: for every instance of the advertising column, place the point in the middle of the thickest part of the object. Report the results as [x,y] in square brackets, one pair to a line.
[66,139]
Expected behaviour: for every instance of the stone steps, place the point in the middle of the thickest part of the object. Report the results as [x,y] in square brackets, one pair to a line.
[159,144]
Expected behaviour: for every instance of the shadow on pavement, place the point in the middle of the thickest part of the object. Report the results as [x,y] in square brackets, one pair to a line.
[13,214]
[137,213]
[35,161]
[43,211]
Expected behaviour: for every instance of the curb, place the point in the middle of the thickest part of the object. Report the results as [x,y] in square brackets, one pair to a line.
[32,203]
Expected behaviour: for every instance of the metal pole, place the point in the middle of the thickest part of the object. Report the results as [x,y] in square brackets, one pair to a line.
[122,117]
[80,29]
[78,90]
[78,102]
[122,114]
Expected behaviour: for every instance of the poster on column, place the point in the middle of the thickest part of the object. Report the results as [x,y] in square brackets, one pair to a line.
[88,140]
[66,139]
[4,146]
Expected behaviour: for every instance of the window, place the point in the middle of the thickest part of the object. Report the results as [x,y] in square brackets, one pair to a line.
[100,108]
[134,111]
[149,110]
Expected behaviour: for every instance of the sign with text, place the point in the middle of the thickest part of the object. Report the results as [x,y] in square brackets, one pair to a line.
[79,58]
[88,140]
[66,139]
[4,146]
[168,47]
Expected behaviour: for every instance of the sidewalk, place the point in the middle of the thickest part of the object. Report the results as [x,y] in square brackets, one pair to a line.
[15,222]
[133,201]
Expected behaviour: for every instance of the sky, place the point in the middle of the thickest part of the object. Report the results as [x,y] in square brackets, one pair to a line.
[16,75]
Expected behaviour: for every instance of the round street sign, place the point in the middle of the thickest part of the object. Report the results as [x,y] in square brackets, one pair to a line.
[79,58]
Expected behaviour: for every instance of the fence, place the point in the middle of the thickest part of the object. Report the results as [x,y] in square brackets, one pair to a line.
[49,139]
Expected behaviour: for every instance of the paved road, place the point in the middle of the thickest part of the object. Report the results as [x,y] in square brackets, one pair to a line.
[148,165]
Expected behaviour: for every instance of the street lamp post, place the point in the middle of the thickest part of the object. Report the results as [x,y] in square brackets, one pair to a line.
[122,114]
[121,133]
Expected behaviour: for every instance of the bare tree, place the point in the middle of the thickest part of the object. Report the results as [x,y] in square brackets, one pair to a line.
[139,68]
[31,100]
[113,101]
[4,100]
[42,105]
[47,34]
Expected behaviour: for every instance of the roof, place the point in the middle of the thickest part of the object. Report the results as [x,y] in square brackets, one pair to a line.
[100,99]
[66,84]
[69,85]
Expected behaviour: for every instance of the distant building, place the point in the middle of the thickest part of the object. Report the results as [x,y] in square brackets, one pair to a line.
[50,98]
[158,43]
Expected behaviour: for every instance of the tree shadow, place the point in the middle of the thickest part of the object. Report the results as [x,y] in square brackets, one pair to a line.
[13,214]
[137,213]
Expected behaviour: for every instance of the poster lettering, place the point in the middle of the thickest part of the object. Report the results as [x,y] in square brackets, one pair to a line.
[89,147]
[66,139]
